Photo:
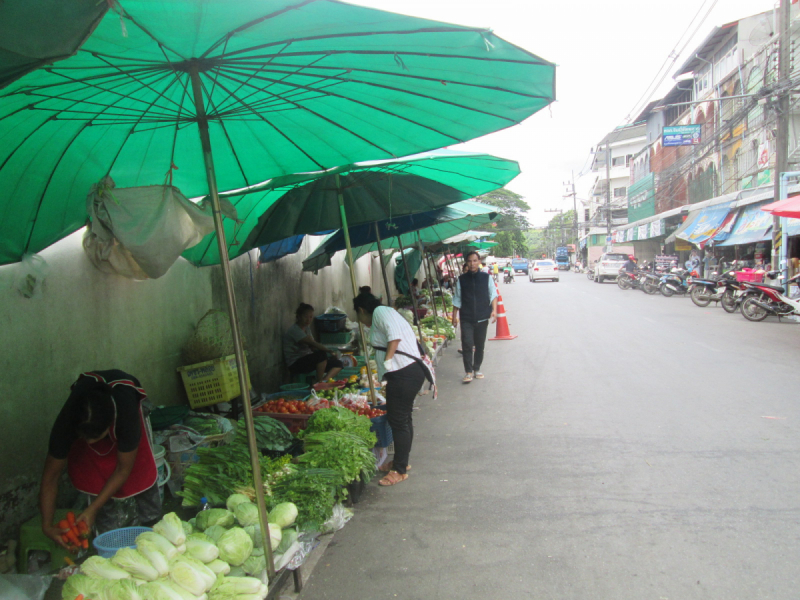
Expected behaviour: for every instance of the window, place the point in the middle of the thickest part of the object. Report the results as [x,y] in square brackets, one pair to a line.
[620,192]
[617,161]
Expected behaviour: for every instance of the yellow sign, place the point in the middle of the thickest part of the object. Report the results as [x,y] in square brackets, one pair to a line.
[682,245]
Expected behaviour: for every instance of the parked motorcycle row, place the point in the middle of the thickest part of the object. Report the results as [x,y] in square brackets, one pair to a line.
[755,300]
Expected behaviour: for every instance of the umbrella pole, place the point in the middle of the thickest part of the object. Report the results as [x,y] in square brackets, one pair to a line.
[410,291]
[383,266]
[346,231]
[430,287]
[255,455]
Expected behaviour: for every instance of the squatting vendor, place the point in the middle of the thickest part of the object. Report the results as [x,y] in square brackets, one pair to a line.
[100,438]
[303,353]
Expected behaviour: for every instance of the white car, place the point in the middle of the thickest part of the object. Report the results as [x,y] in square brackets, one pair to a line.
[609,265]
[543,269]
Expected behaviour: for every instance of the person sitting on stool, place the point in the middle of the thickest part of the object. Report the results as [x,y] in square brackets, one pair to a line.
[303,353]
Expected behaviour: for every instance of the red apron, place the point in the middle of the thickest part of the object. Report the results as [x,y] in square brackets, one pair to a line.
[91,465]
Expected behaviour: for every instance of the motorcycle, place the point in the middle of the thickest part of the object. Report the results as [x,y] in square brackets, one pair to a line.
[627,280]
[705,291]
[775,302]
[675,282]
[508,277]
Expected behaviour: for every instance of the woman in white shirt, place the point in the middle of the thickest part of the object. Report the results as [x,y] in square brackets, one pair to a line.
[400,365]
[303,353]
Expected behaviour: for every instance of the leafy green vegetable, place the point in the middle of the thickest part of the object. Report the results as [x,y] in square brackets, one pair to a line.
[214,532]
[150,551]
[271,434]
[121,589]
[135,563]
[220,567]
[235,500]
[203,550]
[191,575]
[343,452]
[170,527]
[102,568]
[289,538]
[79,584]
[314,493]
[214,516]
[283,515]
[235,546]
[338,418]
[246,514]
[159,541]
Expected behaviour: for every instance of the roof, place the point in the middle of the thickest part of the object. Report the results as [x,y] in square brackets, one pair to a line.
[646,111]
[624,132]
[706,48]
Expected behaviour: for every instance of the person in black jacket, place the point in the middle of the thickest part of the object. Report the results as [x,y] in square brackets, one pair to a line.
[475,300]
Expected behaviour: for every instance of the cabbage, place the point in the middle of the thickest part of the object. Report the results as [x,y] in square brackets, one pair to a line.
[254,565]
[199,537]
[171,528]
[213,516]
[246,513]
[191,575]
[214,532]
[102,568]
[121,589]
[78,584]
[163,544]
[235,500]
[187,527]
[235,546]
[254,531]
[151,552]
[220,567]
[203,550]
[237,585]
[135,563]
[288,537]
[283,515]
[165,590]
[235,572]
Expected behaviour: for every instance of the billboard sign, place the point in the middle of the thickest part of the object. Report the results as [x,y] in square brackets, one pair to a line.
[681,135]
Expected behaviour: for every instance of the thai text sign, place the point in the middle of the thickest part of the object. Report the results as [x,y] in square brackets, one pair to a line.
[681,135]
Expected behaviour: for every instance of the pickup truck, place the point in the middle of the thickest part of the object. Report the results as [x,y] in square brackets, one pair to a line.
[519,265]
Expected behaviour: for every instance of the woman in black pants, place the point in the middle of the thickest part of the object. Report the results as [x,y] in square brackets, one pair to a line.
[400,365]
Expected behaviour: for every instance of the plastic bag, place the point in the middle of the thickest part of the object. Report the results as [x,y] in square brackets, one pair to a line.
[334,310]
[24,587]
[307,542]
[31,272]
[338,519]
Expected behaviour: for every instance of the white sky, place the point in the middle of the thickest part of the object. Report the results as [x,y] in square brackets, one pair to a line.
[607,54]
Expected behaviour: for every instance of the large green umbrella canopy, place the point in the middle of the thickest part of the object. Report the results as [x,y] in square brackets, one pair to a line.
[448,221]
[484,245]
[34,33]
[284,86]
[374,191]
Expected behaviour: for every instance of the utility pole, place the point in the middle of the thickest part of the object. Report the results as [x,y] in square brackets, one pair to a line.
[608,195]
[571,192]
[782,137]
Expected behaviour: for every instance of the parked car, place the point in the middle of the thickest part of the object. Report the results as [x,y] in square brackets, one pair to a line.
[543,269]
[520,265]
[609,265]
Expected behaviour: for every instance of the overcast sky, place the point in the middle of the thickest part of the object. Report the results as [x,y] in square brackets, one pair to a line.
[607,54]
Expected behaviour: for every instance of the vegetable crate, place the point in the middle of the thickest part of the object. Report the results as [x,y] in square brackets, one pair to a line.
[212,382]
[331,323]
[334,338]
[380,427]
[293,422]
[749,275]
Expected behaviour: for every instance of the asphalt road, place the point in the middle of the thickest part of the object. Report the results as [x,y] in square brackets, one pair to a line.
[622,447]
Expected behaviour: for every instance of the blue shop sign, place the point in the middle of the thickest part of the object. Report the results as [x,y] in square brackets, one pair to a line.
[681,135]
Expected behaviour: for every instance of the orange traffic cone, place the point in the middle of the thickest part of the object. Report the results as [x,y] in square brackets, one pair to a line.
[502,332]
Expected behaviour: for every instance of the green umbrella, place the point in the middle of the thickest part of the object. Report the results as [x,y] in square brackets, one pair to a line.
[280,86]
[454,219]
[484,245]
[375,191]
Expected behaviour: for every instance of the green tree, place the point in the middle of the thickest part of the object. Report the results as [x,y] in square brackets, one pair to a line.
[512,222]
[559,231]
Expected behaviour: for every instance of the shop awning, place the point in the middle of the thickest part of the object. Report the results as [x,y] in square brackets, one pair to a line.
[753,225]
[693,216]
[705,224]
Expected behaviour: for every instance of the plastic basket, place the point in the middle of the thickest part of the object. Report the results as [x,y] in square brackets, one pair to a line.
[380,427]
[749,276]
[295,387]
[212,382]
[341,337]
[331,323]
[108,543]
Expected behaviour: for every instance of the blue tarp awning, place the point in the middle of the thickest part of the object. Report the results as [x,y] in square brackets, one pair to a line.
[753,225]
[705,224]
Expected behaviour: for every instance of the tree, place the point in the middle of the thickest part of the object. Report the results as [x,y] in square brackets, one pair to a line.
[560,231]
[511,223]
